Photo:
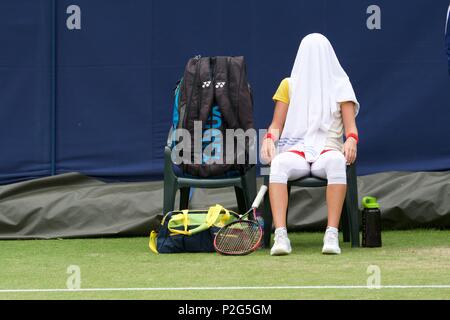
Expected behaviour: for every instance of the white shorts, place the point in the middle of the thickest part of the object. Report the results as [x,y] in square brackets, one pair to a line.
[290,166]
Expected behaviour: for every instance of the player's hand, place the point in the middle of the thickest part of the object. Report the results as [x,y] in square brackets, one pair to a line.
[350,150]
[268,150]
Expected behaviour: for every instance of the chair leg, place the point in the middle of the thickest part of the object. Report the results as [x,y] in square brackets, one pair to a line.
[241,201]
[352,206]
[353,218]
[170,191]
[170,183]
[249,186]
[184,198]
[268,219]
[345,223]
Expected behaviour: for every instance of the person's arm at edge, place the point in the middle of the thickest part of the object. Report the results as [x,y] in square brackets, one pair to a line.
[275,129]
[349,120]
[279,119]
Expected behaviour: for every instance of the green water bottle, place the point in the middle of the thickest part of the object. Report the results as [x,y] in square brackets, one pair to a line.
[371,223]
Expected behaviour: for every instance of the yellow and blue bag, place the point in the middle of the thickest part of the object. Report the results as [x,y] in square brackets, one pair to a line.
[190,231]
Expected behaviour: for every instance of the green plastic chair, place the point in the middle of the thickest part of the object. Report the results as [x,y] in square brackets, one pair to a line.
[350,215]
[244,185]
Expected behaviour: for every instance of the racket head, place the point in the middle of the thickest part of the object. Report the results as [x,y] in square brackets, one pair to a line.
[238,238]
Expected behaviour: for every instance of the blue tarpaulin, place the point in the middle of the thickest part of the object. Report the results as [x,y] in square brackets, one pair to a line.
[87,85]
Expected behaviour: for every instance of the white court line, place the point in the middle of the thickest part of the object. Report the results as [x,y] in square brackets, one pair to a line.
[225,288]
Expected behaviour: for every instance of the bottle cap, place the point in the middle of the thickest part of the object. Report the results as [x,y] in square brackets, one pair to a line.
[370,203]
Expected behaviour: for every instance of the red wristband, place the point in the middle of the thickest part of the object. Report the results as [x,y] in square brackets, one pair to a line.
[269,136]
[354,136]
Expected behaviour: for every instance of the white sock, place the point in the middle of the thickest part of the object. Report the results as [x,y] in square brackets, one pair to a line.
[333,230]
[281,231]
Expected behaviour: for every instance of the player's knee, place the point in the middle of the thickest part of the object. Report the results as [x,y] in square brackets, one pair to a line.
[336,161]
[336,169]
[279,170]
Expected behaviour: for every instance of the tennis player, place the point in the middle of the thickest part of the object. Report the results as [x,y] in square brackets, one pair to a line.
[314,108]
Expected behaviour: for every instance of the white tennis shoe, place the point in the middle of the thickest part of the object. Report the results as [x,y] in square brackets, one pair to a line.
[282,245]
[331,243]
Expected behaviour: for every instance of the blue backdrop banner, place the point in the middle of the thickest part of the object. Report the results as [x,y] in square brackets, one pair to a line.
[25,89]
[87,85]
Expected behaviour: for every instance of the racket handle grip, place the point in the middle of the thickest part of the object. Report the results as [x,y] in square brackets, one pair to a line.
[259,197]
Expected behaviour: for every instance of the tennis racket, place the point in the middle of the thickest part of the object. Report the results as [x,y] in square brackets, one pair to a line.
[242,236]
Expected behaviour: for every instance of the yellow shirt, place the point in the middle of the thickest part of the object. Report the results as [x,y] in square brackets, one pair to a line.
[335,140]
[282,93]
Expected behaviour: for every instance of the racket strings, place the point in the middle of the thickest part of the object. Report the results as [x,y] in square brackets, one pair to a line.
[238,238]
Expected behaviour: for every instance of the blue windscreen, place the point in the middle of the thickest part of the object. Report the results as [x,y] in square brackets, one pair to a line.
[87,85]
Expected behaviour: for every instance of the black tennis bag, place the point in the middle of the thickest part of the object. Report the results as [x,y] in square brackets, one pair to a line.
[215,93]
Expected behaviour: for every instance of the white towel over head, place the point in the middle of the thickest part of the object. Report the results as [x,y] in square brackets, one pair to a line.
[318,85]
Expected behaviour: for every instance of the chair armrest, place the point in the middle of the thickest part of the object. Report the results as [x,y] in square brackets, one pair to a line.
[168,169]
[168,152]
